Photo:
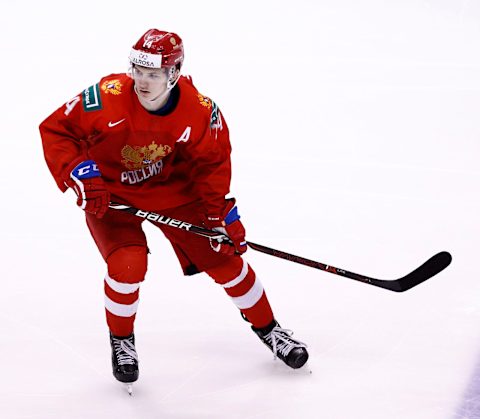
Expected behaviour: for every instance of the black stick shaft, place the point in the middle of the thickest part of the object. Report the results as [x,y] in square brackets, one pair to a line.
[431,267]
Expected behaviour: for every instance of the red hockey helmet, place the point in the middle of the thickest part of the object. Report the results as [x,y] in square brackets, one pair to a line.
[157,49]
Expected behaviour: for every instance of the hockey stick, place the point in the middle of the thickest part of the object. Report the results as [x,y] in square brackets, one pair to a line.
[431,267]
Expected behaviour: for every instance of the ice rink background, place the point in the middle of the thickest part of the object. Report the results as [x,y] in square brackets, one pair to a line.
[355,128]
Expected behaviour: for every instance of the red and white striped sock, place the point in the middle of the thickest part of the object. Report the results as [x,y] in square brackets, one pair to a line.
[247,293]
[121,302]
[127,267]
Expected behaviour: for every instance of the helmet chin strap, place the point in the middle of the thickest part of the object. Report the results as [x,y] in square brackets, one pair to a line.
[167,92]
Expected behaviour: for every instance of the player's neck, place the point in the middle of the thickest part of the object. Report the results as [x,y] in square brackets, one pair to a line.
[155,104]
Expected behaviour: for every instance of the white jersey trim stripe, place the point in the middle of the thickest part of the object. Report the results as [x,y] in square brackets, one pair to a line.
[250,298]
[121,310]
[121,287]
[239,278]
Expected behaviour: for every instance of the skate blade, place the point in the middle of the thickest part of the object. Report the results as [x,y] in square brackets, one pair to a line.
[308,369]
[129,388]
[305,369]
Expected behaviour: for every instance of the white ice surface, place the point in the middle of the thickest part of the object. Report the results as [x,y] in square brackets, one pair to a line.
[356,129]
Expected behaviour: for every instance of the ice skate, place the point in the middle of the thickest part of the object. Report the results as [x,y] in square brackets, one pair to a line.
[283,346]
[124,360]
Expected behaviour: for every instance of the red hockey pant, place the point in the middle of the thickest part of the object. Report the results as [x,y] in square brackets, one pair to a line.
[122,243]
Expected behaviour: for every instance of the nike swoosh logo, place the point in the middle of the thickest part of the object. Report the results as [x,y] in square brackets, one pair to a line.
[113,124]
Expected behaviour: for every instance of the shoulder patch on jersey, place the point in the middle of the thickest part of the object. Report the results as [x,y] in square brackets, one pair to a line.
[91,99]
[215,117]
[112,86]
[204,101]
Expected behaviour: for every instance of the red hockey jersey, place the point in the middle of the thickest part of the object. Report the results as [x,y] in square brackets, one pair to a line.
[148,161]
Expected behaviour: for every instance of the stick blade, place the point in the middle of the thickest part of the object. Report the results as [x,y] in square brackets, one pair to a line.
[431,267]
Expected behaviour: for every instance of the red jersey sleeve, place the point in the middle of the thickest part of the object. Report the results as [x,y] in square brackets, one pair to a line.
[62,134]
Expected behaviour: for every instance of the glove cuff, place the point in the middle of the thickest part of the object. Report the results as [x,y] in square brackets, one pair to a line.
[228,215]
[85,170]
[232,216]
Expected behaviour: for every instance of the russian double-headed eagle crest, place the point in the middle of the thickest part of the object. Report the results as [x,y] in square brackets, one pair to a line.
[140,157]
[204,101]
[112,86]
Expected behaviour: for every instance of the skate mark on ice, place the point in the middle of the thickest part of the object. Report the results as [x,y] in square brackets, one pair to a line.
[43,333]
[183,383]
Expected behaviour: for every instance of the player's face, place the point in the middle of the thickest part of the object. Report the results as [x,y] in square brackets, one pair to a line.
[150,83]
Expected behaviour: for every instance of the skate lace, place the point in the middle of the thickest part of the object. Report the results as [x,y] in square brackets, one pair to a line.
[125,351]
[282,342]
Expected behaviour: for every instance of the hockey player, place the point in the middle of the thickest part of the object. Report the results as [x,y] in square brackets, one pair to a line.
[149,139]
